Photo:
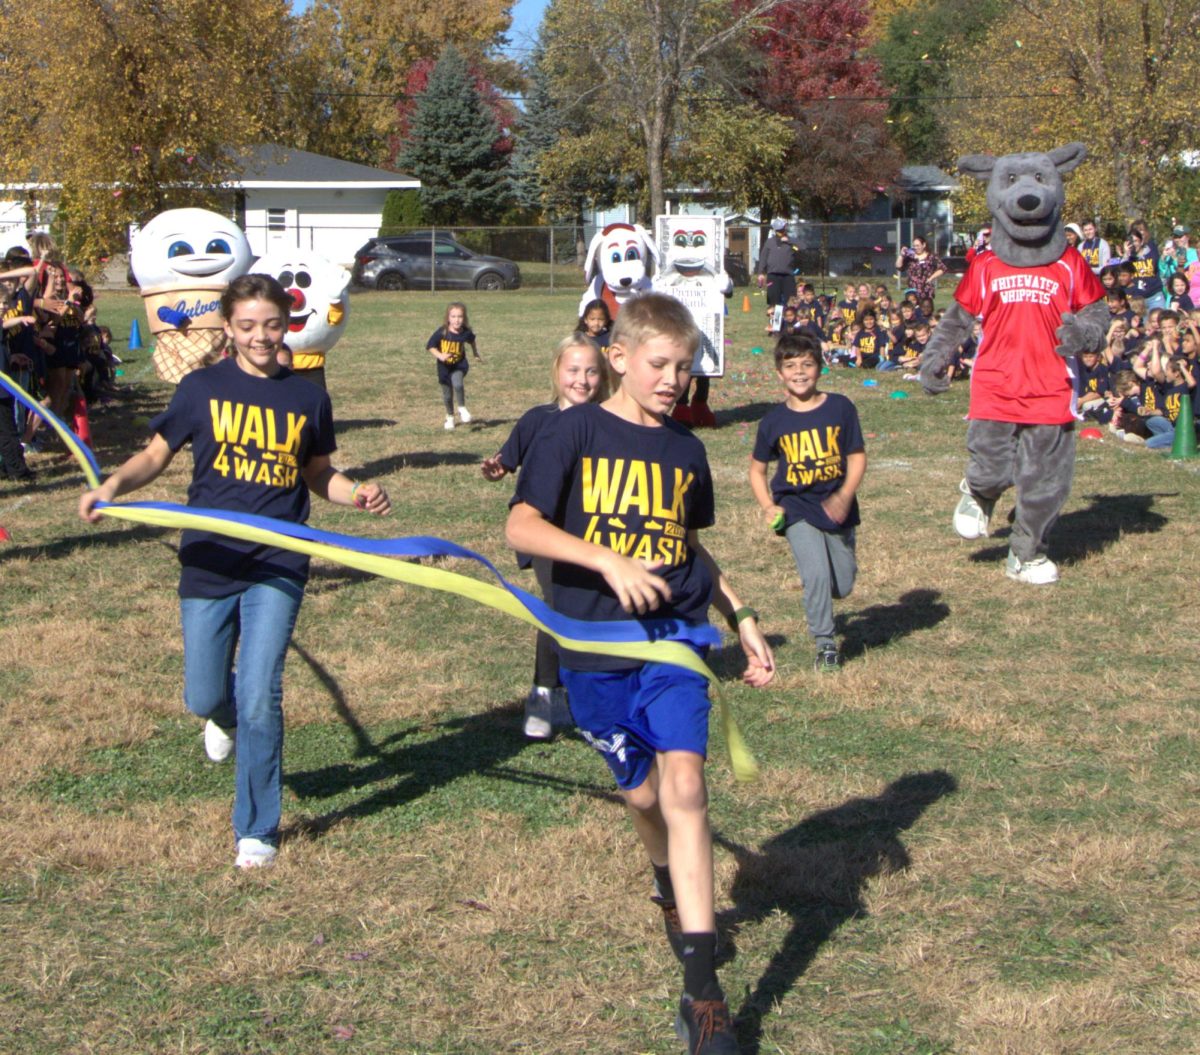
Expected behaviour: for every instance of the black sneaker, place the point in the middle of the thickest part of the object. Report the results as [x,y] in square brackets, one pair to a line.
[828,661]
[671,924]
[705,1024]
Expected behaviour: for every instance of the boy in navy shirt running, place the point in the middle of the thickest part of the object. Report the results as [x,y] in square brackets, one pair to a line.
[819,445]
[615,494]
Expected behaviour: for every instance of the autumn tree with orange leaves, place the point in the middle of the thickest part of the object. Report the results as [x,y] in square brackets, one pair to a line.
[127,107]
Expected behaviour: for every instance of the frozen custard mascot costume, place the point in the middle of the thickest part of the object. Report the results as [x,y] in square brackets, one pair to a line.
[1039,305]
[183,259]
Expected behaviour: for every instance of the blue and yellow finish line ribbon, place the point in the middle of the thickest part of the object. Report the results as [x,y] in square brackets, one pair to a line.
[656,640]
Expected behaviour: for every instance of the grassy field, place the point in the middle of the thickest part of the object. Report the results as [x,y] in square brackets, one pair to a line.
[980,837]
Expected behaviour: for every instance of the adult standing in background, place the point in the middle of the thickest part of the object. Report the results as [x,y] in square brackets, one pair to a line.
[921,266]
[1177,255]
[1094,249]
[777,263]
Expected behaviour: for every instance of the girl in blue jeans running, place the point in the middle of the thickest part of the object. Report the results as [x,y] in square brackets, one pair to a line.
[261,441]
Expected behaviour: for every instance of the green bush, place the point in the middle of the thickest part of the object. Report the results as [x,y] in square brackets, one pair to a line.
[401,211]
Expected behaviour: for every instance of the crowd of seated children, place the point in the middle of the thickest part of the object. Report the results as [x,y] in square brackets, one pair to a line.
[1136,385]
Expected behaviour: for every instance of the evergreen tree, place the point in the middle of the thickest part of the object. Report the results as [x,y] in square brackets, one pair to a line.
[917,55]
[541,127]
[452,148]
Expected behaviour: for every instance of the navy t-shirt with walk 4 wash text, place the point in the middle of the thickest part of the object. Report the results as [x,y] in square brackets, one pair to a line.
[512,454]
[811,447]
[635,489]
[251,436]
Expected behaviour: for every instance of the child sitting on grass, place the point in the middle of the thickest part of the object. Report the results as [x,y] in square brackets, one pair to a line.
[818,442]
[615,494]
[1092,387]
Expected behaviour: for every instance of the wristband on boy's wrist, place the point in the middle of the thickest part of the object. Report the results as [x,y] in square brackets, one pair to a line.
[354,492]
[740,616]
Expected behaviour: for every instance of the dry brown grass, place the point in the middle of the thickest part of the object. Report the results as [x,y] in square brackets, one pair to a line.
[445,889]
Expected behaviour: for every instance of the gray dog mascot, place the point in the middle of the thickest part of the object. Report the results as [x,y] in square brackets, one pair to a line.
[1039,305]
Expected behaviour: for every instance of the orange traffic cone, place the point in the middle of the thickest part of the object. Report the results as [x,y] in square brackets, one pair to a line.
[746,302]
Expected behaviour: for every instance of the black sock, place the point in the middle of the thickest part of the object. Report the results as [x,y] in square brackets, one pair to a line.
[699,950]
[662,882]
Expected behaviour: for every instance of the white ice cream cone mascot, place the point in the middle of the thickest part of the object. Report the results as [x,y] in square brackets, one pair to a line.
[1039,305]
[618,265]
[183,259]
[320,306]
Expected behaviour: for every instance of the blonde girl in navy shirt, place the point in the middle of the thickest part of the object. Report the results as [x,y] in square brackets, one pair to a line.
[578,375]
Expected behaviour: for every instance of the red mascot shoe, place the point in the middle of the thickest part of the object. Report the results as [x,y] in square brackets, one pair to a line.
[79,419]
[702,417]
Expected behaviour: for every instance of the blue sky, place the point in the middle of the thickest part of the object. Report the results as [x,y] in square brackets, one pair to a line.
[527,16]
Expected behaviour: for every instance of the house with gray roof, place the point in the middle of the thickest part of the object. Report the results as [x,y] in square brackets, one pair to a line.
[282,198]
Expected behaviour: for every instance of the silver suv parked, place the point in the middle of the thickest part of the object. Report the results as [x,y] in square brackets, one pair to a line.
[408,261]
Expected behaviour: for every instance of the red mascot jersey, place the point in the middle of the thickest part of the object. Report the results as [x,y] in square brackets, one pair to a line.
[1017,376]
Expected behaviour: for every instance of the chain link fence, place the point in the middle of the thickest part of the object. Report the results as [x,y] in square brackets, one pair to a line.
[551,257]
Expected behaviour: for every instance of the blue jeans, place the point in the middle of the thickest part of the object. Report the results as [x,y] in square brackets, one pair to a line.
[261,617]
[1162,432]
[888,364]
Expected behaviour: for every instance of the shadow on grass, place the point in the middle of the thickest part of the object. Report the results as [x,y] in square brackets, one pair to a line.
[405,765]
[350,424]
[328,578]
[1083,533]
[816,874]
[882,623]
[65,547]
[728,662]
[413,460]
[750,412]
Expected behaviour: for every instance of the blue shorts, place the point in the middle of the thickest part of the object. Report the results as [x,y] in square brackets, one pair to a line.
[630,715]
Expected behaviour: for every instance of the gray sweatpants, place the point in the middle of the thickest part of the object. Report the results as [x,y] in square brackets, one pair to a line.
[825,560]
[452,391]
[1039,460]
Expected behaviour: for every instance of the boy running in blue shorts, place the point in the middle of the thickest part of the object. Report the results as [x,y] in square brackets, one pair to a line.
[615,494]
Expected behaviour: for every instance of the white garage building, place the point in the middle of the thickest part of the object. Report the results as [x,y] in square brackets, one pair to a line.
[283,197]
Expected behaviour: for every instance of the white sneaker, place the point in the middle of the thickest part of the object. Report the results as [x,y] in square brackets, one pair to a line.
[537,714]
[254,853]
[218,744]
[449,423]
[464,415]
[971,516]
[1041,571]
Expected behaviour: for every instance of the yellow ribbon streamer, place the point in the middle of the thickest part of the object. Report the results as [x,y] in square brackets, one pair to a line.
[741,759]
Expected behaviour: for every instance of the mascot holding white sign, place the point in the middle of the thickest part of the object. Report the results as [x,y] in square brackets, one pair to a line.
[691,250]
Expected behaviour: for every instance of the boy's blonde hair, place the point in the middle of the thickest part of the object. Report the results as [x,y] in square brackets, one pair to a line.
[654,315]
[1124,382]
[579,340]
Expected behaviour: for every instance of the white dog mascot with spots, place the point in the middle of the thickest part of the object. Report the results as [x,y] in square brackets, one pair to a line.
[618,265]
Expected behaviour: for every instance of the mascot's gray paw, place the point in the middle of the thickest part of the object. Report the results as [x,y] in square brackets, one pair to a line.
[1073,337]
[934,381]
